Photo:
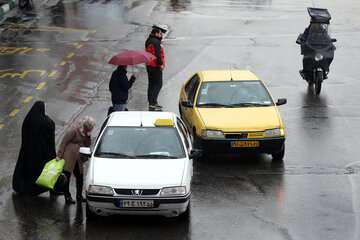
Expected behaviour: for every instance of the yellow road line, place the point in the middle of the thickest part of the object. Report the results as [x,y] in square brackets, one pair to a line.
[52,29]
[70,55]
[79,46]
[2,126]
[53,74]
[62,63]
[41,85]
[14,112]
[27,99]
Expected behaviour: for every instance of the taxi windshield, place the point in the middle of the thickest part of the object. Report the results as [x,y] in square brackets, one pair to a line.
[233,94]
[140,142]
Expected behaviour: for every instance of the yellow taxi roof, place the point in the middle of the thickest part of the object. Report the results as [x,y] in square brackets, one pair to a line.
[227,75]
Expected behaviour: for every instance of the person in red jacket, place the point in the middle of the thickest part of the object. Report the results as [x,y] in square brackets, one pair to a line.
[155,68]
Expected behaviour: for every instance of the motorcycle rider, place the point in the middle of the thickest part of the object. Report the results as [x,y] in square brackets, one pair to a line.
[314,37]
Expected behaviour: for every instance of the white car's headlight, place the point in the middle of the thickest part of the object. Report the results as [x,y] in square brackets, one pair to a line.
[212,134]
[276,132]
[101,190]
[318,57]
[173,191]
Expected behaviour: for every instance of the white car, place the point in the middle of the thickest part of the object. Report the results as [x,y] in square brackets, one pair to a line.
[142,163]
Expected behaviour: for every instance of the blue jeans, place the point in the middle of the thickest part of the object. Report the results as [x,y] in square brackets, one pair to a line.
[119,107]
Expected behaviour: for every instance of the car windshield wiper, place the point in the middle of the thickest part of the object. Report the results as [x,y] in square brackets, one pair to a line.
[250,104]
[156,156]
[115,154]
[212,105]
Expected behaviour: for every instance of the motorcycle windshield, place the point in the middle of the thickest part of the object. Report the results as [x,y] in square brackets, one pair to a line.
[318,36]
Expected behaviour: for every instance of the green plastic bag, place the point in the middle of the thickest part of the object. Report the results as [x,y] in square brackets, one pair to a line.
[50,173]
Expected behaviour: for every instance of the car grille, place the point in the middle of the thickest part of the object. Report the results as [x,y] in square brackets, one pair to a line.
[130,192]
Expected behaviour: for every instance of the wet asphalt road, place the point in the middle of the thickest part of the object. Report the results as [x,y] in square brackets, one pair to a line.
[58,53]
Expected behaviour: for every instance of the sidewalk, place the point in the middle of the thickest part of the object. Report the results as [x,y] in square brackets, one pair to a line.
[6,6]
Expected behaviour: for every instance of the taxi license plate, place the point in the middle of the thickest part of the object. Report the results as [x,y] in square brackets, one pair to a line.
[245,144]
[136,204]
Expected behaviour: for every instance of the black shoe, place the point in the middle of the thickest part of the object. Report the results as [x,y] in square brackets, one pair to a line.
[154,108]
[158,106]
[69,200]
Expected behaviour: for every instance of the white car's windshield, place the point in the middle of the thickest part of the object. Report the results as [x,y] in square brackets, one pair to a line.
[140,142]
[233,94]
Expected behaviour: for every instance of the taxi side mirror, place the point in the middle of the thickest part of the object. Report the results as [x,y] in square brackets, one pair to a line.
[195,153]
[187,104]
[85,151]
[281,101]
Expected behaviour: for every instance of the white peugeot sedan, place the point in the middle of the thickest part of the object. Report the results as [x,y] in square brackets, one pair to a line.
[141,163]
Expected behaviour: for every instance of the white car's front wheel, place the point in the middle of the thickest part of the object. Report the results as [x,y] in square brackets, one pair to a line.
[185,215]
[90,215]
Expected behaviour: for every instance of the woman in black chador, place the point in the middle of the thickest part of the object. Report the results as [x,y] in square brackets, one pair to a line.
[37,148]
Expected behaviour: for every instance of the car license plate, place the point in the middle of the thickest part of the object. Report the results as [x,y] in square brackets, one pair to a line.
[245,144]
[136,204]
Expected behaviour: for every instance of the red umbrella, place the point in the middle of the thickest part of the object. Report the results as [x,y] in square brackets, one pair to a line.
[131,57]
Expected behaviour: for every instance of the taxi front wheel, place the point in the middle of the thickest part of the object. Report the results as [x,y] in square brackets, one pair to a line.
[278,156]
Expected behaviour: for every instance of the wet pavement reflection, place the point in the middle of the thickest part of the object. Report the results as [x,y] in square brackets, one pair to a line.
[58,53]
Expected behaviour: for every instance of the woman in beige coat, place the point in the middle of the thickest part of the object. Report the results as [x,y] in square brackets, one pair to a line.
[75,137]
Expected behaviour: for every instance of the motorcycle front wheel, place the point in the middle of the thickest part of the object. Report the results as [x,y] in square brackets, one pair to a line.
[318,81]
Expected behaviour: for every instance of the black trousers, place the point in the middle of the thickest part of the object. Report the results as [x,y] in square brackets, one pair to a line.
[79,182]
[155,83]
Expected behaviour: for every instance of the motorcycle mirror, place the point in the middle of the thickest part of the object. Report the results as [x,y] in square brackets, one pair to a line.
[333,40]
[281,101]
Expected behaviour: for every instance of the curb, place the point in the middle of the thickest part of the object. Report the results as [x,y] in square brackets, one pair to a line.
[5,8]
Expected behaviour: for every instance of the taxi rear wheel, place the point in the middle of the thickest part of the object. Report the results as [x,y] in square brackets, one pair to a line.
[279,156]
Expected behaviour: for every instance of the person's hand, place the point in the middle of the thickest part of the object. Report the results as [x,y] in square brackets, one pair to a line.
[162,67]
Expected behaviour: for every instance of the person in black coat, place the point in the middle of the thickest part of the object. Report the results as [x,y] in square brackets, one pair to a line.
[119,87]
[37,148]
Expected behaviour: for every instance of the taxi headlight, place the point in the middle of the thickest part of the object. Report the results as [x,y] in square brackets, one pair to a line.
[318,57]
[212,134]
[101,190]
[276,132]
[173,191]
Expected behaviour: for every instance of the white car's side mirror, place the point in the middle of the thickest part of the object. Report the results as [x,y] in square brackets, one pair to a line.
[85,151]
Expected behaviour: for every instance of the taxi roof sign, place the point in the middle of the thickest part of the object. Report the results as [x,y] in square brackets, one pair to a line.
[164,122]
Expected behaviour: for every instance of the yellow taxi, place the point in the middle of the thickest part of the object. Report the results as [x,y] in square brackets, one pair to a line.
[231,111]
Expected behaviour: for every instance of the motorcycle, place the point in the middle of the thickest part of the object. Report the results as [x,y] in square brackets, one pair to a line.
[25,4]
[317,48]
